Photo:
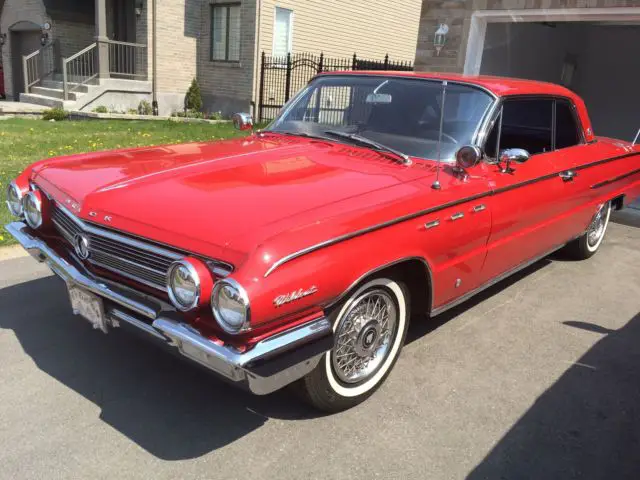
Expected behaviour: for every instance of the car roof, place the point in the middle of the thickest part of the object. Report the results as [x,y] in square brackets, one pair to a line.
[499,86]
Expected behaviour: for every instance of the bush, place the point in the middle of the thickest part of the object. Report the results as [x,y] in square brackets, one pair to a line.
[216,116]
[57,114]
[101,109]
[132,111]
[145,108]
[188,114]
[193,99]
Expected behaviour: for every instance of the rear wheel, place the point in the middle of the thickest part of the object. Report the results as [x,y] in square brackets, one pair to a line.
[369,328]
[588,244]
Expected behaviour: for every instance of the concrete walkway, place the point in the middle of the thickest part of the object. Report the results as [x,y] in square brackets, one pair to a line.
[20,108]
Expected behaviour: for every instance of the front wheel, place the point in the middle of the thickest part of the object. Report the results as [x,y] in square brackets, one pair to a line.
[369,328]
[588,244]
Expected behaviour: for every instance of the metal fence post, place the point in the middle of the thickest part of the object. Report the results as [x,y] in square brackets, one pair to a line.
[261,94]
[354,62]
[287,91]
[386,62]
[65,86]
[321,62]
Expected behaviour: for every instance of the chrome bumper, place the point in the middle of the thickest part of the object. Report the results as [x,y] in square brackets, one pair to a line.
[270,365]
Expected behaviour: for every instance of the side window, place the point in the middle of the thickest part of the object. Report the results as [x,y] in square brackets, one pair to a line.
[526,123]
[566,127]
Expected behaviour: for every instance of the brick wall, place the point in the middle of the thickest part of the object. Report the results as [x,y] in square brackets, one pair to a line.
[228,86]
[16,11]
[71,37]
[457,14]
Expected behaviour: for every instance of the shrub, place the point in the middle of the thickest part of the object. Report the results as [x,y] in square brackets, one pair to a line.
[193,99]
[145,108]
[57,114]
[188,114]
[101,109]
[216,116]
[132,111]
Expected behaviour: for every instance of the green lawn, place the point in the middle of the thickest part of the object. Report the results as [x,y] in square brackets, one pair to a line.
[23,141]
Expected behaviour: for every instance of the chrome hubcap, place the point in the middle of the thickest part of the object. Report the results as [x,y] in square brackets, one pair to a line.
[364,336]
[598,224]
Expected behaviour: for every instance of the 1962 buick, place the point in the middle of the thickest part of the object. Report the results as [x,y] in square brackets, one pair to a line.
[296,254]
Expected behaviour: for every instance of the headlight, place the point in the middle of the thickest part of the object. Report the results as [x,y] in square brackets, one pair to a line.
[14,199]
[183,285]
[230,305]
[32,208]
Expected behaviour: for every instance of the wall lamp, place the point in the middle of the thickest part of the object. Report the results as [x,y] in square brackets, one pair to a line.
[139,5]
[3,39]
[440,37]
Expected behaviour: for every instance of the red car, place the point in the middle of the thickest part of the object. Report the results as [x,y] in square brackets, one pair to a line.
[297,254]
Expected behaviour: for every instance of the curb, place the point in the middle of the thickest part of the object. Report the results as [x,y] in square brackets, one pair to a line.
[78,115]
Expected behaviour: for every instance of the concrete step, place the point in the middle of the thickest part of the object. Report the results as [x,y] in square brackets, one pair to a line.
[57,85]
[56,93]
[43,100]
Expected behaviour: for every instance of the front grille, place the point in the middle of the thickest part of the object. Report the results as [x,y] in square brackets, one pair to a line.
[134,259]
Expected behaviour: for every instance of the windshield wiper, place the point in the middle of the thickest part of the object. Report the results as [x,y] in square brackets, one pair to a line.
[371,143]
[295,134]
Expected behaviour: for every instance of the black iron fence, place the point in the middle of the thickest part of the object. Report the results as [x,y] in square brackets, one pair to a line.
[282,77]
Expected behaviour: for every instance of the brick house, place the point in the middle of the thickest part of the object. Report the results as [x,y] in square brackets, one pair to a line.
[83,53]
[590,46]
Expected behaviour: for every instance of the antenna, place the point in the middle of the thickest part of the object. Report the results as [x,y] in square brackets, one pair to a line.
[436,184]
[636,139]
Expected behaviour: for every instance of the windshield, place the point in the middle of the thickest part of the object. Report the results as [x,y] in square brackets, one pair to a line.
[399,113]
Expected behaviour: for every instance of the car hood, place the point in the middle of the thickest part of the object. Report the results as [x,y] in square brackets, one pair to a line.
[202,196]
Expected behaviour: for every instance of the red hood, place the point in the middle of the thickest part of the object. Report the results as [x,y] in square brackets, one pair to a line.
[202,196]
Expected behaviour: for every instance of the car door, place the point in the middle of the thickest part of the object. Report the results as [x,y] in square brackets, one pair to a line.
[527,196]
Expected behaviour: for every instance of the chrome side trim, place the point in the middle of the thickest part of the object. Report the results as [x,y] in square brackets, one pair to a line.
[616,179]
[269,365]
[379,226]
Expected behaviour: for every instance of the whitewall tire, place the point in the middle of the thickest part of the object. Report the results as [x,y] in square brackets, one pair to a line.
[588,244]
[370,327]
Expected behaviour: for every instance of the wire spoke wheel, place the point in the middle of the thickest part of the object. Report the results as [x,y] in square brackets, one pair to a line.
[364,336]
[598,225]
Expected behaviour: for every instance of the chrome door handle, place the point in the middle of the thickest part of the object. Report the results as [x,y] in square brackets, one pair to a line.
[432,224]
[457,216]
[568,176]
[479,208]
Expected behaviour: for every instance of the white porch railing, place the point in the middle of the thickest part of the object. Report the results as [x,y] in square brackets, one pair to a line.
[124,60]
[37,65]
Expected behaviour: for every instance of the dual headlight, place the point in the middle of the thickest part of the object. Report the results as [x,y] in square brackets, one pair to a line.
[189,285]
[32,205]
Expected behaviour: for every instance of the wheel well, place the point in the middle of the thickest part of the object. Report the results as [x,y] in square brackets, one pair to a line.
[618,202]
[416,276]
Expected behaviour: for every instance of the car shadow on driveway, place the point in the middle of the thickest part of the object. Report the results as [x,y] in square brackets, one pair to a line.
[586,425]
[166,406]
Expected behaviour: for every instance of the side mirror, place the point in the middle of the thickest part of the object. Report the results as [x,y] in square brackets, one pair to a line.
[517,155]
[468,156]
[242,121]
[509,155]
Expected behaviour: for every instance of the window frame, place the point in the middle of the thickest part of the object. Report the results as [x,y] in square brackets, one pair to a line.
[554,98]
[227,20]
[290,38]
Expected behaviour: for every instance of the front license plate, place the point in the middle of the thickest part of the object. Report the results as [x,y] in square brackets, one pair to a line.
[89,306]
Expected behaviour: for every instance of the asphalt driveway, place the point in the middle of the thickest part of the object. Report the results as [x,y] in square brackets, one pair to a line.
[537,378]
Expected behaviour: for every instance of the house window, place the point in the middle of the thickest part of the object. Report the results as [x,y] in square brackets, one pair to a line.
[225,32]
[282,32]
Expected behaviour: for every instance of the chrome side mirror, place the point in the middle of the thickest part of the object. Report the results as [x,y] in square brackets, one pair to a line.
[517,155]
[468,156]
[509,155]
[242,121]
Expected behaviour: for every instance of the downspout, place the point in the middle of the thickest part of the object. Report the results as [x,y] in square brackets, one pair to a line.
[154,46]
[256,60]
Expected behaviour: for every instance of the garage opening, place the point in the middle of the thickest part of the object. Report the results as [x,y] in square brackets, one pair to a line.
[597,60]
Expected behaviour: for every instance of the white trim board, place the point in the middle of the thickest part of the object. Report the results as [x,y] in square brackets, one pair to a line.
[480,19]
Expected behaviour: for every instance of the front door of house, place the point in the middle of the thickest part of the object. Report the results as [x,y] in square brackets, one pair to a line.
[23,42]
